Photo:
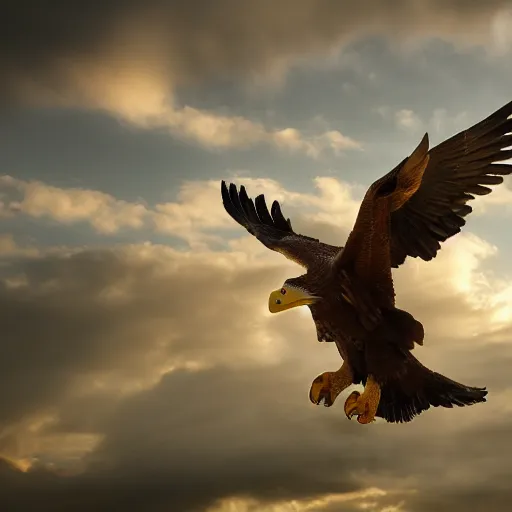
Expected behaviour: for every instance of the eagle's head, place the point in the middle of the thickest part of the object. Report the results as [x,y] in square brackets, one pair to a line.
[294,292]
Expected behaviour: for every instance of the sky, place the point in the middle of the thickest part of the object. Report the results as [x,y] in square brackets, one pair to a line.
[140,367]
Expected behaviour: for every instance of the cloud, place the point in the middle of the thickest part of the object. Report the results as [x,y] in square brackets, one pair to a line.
[9,247]
[215,131]
[440,123]
[130,79]
[195,216]
[132,60]
[105,213]
[315,504]
[291,139]
[142,98]
[199,210]
[501,31]
[189,41]
[144,374]
[407,120]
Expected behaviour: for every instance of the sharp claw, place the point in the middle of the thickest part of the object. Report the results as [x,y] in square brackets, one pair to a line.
[351,404]
[351,414]
[320,391]
[365,405]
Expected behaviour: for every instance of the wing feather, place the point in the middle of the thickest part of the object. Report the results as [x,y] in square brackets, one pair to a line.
[270,228]
[248,206]
[279,220]
[263,213]
[460,168]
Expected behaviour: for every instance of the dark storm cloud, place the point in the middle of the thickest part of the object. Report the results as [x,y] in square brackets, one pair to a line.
[36,38]
[196,438]
[234,429]
[62,323]
[216,433]
[196,38]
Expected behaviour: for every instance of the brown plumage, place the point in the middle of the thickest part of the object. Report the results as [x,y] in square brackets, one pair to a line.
[408,212]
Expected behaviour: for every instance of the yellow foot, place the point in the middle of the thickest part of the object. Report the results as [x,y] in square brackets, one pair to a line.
[321,390]
[351,404]
[365,405]
[326,387]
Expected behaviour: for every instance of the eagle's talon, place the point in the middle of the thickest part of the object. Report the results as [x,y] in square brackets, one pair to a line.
[365,405]
[327,386]
[351,404]
[321,390]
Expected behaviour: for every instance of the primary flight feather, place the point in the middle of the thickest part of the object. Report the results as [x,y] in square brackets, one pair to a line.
[408,212]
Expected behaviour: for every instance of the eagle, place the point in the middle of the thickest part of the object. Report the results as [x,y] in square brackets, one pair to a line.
[349,289]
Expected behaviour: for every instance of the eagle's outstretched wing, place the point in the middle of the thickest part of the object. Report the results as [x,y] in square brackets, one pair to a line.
[367,253]
[270,228]
[429,191]
[458,169]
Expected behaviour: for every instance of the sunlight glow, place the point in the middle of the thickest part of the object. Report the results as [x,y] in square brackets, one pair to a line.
[304,505]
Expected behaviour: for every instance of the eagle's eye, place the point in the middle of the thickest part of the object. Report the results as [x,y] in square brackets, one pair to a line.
[283,291]
[278,301]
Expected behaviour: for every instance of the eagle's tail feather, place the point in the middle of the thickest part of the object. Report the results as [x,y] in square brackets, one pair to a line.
[407,397]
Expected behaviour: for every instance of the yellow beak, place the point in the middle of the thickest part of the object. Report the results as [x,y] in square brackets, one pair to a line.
[291,298]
